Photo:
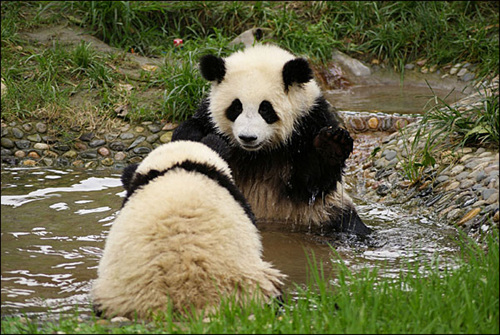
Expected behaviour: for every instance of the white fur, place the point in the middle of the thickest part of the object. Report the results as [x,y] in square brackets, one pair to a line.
[181,239]
[254,75]
[167,155]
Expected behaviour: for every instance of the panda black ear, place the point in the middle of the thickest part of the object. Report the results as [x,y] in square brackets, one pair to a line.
[212,68]
[127,175]
[296,71]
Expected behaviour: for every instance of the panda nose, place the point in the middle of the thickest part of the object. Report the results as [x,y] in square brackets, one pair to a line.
[247,138]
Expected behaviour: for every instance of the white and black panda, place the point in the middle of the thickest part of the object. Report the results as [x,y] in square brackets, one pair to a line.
[184,236]
[287,151]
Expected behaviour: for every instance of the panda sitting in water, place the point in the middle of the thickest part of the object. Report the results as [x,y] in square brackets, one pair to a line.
[185,236]
[287,151]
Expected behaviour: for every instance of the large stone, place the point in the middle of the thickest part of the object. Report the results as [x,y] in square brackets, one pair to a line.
[350,64]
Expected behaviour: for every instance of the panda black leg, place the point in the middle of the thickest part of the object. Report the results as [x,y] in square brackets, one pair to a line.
[334,144]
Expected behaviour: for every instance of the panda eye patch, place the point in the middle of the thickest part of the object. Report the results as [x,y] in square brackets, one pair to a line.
[267,112]
[234,110]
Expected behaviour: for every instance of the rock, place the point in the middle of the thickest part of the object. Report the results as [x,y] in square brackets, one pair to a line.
[117,146]
[7,143]
[29,162]
[90,154]
[462,72]
[107,161]
[22,144]
[126,136]
[17,132]
[373,123]
[34,138]
[136,142]
[167,137]
[96,143]
[86,137]
[119,156]
[41,146]
[470,215]
[80,146]
[103,151]
[41,127]
[352,65]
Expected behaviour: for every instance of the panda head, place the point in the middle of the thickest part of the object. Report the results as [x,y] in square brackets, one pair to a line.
[172,154]
[258,94]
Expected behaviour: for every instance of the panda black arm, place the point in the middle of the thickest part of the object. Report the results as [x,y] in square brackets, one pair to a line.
[196,127]
[318,152]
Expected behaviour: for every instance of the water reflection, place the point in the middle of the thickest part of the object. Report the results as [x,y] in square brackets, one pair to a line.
[54,229]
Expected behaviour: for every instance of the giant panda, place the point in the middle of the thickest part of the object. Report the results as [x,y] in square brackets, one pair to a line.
[287,150]
[185,236]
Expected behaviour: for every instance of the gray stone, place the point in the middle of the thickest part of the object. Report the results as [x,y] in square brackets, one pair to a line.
[27,127]
[34,138]
[152,138]
[96,143]
[468,76]
[7,143]
[409,66]
[23,144]
[142,150]
[117,146]
[136,142]
[110,137]
[62,147]
[390,154]
[10,160]
[462,176]
[90,154]
[488,192]
[442,178]
[480,176]
[467,183]
[127,136]
[5,131]
[87,137]
[18,133]
[462,72]
[49,139]
[154,128]
[41,127]
[5,152]
[41,146]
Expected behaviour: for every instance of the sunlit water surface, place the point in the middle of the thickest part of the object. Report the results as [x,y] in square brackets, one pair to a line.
[55,222]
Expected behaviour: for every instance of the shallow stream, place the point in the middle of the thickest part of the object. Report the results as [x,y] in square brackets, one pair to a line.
[55,222]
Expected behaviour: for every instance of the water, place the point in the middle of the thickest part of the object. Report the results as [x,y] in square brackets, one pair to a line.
[55,222]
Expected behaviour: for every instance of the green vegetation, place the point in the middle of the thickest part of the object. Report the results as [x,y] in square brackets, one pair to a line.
[424,298]
[44,80]
[445,128]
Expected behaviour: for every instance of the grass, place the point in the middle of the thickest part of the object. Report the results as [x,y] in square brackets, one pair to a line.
[425,298]
[446,127]
[395,33]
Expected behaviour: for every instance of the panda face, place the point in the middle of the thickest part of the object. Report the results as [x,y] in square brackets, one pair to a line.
[251,124]
[257,95]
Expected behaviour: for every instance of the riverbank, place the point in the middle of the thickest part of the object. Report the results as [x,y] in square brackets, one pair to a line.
[461,188]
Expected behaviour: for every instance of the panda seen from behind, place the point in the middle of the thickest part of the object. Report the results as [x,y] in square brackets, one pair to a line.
[286,149]
[184,237]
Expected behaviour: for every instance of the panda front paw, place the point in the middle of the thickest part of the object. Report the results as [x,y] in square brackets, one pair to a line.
[334,144]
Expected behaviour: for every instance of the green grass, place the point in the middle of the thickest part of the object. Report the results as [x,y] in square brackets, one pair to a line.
[424,298]
[444,127]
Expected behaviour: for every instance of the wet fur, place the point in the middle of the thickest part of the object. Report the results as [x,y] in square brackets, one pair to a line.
[184,236]
[298,177]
